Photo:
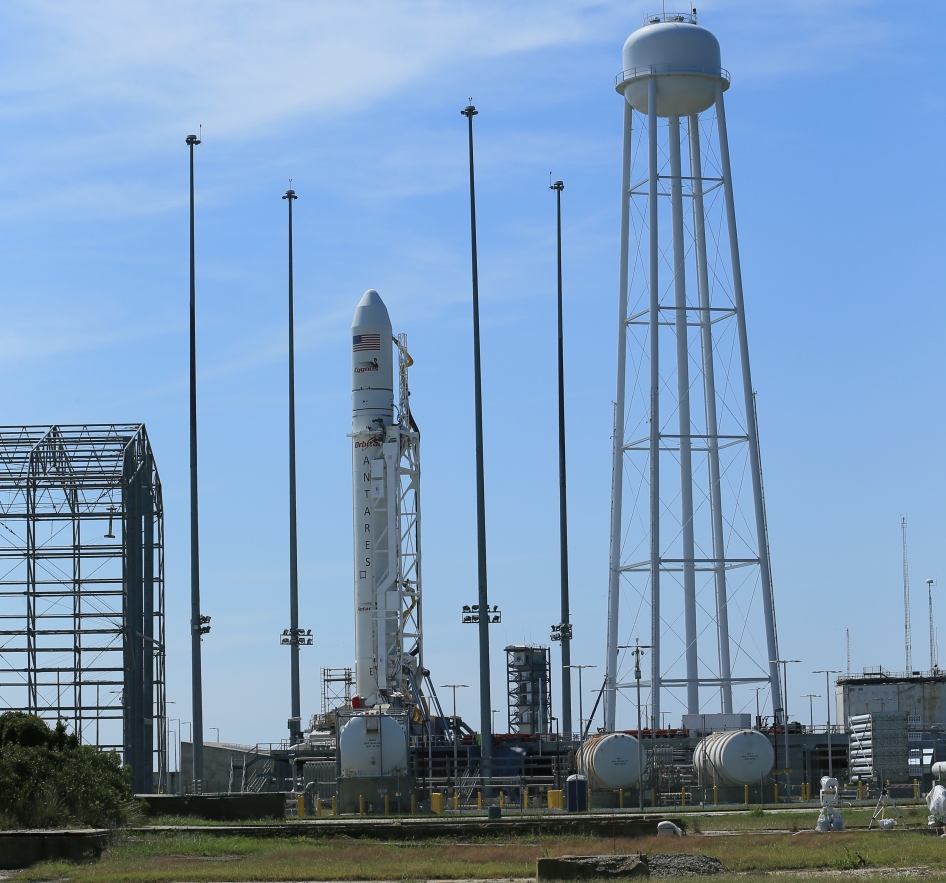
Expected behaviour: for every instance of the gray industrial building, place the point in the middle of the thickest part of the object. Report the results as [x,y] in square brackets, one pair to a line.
[922,695]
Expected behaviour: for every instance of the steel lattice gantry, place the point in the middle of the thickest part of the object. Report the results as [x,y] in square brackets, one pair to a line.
[82,587]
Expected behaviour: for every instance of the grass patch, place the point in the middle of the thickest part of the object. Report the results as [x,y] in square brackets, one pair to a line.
[800,820]
[172,857]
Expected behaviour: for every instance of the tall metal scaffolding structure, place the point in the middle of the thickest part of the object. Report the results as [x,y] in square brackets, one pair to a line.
[82,588]
[408,585]
[529,679]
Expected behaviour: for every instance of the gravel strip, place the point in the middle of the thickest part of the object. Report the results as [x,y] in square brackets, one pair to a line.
[683,865]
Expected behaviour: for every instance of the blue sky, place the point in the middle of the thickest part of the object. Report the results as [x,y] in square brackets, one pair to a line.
[836,130]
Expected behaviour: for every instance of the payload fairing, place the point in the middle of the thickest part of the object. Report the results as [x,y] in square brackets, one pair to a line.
[386,509]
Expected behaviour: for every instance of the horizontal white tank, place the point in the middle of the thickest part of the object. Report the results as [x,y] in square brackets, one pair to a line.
[733,758]
[611,761]
[372,745]
[939,770]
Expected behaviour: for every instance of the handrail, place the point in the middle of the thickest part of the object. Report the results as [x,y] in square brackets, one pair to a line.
[671,68]
[655,17]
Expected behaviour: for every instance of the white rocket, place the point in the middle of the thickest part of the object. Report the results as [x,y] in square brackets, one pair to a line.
[375,452]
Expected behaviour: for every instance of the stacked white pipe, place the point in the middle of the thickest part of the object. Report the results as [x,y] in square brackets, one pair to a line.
[734,758]
[611,761]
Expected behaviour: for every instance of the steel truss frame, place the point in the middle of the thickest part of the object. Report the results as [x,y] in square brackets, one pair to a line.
[408,584]
[82,587]
[688,513]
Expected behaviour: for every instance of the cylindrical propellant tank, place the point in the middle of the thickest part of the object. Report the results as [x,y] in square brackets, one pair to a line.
[372,745]
[733,758]
[611,761]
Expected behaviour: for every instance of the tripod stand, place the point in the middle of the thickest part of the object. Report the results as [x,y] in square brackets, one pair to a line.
[884,801]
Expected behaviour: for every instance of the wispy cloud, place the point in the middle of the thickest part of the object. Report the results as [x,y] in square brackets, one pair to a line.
[96,94]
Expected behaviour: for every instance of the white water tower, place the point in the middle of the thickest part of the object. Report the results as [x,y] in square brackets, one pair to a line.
[689,546]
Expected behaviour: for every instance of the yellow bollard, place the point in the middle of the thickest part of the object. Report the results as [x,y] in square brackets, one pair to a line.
[318,807]
[386,805]
[479,799]
[300,805]
[916,789]
[456,800]
[436,803]
[502,802]
[653,796]
[361,803]
[334,805]
[683,797]
[525,797]
[413,803]
[715,796]
[775,791]
[860,790]
[747,794]
[621,798]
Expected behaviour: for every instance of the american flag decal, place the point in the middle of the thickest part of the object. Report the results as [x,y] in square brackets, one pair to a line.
[361,342]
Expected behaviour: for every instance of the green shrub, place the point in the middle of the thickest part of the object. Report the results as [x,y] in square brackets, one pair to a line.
[47,779]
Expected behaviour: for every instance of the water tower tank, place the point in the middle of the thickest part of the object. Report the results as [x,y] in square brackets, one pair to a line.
[684,59]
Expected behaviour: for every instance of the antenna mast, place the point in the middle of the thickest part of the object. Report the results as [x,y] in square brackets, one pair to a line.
[934,662]
[848,651]
[908,641]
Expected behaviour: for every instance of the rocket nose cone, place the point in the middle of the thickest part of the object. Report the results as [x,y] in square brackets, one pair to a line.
[371,311]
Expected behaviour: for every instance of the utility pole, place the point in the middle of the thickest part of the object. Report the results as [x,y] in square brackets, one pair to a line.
[638,651]
[581,712]
[295,720]
[486,749]
[811,712]
[565,629]
[198,624]
[785,663]
[453,728]
[827,672]
[934,661]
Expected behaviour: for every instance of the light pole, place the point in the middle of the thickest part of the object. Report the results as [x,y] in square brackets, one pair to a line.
[785,663]
[811,713]
[197,624]
[564,626]
[486,749]
[295,720]
[454,687]
[218,732]
[827,672]
[581,713]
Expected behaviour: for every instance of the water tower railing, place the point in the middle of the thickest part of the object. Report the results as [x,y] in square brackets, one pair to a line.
[671,68]
[657,17]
